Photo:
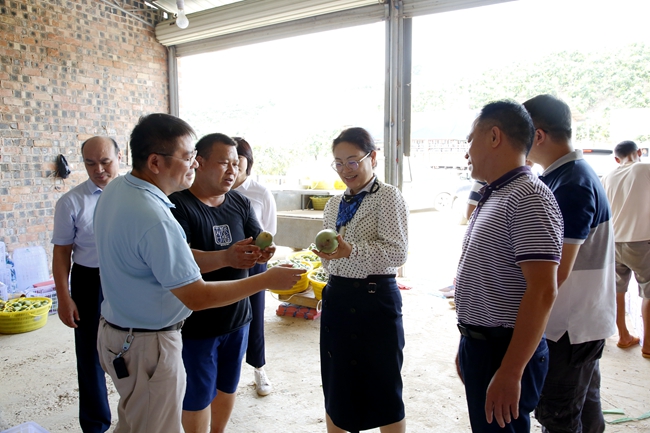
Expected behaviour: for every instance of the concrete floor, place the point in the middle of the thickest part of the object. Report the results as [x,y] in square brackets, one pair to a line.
[38,379]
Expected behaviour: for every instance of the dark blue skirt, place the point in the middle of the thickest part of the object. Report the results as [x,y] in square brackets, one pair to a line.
[361,344]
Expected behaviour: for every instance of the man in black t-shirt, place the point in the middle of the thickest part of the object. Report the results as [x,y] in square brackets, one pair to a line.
[220,226]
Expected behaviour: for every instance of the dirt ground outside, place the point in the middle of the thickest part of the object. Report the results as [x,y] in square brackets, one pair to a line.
[38,378]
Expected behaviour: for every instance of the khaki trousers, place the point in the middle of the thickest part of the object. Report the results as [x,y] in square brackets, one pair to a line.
[151,396]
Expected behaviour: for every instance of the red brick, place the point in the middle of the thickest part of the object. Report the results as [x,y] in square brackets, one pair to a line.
[42,96]
[88,80]
[13,101]
[15,85]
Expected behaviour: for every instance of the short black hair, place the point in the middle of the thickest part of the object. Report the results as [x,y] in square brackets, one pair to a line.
[157,133]
[512,119]
[625,148]
[115,146]
[550,114]
[244,149]
[204,145]
[357,136]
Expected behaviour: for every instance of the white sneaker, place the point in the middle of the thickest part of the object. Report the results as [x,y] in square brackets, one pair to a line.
[262,383]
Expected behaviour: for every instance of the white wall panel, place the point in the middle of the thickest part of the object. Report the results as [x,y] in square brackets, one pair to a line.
[414,8]
[337,20]
[247,15]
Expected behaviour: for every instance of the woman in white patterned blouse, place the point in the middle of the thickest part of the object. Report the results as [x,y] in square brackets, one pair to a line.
[362,334]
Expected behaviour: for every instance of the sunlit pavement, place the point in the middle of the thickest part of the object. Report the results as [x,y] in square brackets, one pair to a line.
[434,249]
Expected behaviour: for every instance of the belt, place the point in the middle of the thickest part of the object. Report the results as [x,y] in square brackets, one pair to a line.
[370,282]
[485,333]
[174,327]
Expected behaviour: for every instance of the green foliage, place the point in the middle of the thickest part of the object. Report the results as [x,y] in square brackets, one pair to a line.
[592,83]
[277,160]
[233,119]
[319,144]
[275,153]
[640,139]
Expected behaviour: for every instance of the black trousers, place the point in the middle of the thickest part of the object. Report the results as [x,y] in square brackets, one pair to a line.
[570,401]
[480,359]
[255,354]
[86,292]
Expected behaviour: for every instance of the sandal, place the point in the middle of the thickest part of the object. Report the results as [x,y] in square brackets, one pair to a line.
[633,342]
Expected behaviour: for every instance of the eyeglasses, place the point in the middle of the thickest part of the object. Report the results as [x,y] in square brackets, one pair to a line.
[188,161]
[352,165]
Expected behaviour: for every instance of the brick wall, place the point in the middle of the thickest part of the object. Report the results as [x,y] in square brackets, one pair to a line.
[68,70]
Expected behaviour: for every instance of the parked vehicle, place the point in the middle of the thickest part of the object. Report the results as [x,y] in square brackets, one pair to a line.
[601,160]
[447,190]
[435,189]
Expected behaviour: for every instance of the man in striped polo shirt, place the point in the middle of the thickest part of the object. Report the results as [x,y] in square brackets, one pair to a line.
[585,310]
[507,275]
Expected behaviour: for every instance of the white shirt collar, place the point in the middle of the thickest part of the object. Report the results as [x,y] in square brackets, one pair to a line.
[365,188]
[571,156]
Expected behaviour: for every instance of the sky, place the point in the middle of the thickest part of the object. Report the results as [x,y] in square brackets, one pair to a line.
[453,42]
[322,73]
[480,38]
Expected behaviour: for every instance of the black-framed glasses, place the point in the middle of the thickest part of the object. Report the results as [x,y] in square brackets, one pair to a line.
[188,161]
[352,165]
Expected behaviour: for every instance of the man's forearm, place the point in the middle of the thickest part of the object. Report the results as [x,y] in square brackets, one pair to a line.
[569,255]
[209,261]
[61,265]
[534,311]
[201,295]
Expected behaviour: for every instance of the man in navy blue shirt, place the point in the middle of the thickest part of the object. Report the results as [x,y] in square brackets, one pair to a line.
[584,313]
[220,225]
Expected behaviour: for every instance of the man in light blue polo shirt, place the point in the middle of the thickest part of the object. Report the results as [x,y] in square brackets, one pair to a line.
[150,280]
[79,302]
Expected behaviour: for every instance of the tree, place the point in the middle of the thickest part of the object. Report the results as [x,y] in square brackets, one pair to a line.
[592,83]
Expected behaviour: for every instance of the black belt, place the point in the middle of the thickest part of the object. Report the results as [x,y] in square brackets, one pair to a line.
[358,282]
[485,333]
[370,281]
[174,327]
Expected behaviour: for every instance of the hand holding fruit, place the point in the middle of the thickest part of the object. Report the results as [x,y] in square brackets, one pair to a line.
[326,241]
[265,241]
[243,254]
[330,245]
[282,277]
[267,254]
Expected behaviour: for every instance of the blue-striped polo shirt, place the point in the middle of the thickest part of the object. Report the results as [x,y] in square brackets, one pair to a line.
[516,220]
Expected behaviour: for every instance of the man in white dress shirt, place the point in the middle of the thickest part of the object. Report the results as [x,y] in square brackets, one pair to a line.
[74,241]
